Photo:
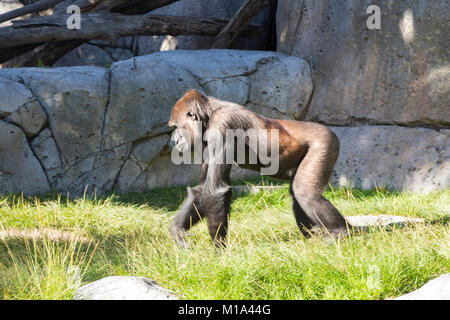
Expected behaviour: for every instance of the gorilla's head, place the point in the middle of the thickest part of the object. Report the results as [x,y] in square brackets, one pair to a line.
[188,119]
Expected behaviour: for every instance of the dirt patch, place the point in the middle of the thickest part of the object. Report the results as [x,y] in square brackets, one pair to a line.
[47,233]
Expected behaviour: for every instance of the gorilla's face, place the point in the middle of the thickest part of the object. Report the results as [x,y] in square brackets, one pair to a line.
[188,130]
[186,119]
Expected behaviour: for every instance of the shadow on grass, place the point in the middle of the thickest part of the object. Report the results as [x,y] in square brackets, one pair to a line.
[443,220]
[169,199]
[24,257]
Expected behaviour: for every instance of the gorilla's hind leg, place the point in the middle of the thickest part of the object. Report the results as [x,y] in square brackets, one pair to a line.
[309,182]
[304,223]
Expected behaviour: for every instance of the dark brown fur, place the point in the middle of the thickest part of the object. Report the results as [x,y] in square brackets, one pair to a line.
[307,154]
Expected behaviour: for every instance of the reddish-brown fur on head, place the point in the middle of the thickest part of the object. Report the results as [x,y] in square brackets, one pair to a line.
[184,105]
[186,116]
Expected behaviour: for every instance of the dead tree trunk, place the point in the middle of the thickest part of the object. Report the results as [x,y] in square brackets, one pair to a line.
[33,7]
[111,26]
[108,20]
[52,51]
[249,10]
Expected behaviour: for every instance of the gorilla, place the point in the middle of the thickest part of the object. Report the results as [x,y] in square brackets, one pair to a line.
[306,152]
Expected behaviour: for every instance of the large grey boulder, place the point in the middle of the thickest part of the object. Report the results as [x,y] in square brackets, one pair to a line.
[86,55]
[123,288]
[436,289]
[144,89]
[13,96]
[20,171]
[74,99]
[265,82]
[107,128]
[410,159]
[399,74]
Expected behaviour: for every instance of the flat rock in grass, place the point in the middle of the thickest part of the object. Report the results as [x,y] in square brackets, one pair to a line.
[254,189]
[381,220]
[436,289]
[123,288]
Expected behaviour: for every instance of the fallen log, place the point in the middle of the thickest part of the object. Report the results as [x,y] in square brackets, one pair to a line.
[52,51]
[111,26]
[141,6]
[30,8]
[246,13]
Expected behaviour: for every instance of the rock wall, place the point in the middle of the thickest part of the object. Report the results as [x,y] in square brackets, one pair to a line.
[412,159]
[105,128]
[397,75]
[72,127]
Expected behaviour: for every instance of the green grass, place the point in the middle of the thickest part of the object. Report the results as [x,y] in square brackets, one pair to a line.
[266,257]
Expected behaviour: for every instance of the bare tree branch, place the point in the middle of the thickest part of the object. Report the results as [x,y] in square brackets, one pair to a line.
[30,8]
[249,10]
[141,6]
[52,51]
[110,26]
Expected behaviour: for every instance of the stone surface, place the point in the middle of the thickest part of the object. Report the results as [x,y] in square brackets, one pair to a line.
[399,74]
[410,159]
[436,289]
[45,148]
[381,220]
[143,91]
[75,101]
[255,189]
[264,82]
[107,127]
[30,117]
[123,288]
[121,54]
[13,96]
[85,55]
[20,171]
[281,90]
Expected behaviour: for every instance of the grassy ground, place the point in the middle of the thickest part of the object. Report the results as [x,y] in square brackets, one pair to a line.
[266,257]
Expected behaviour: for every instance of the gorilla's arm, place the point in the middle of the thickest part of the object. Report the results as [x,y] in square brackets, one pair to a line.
[215,200]
[190,211]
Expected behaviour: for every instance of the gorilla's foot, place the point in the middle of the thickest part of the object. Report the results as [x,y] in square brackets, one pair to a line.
[179,236]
